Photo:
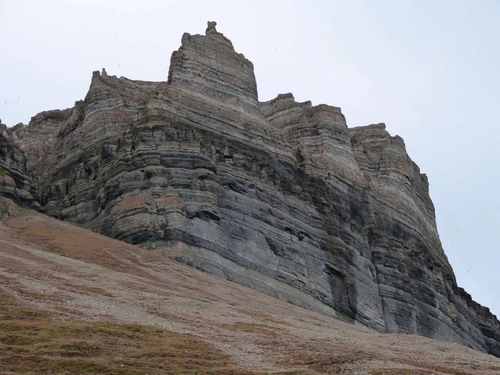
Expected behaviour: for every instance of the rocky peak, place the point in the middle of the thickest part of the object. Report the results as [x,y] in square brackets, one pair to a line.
[209,64]
[211,28]
[280,196]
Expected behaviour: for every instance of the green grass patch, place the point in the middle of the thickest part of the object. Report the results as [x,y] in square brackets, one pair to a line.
[95,225]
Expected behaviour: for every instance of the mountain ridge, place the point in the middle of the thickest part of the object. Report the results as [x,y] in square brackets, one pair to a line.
[279,196]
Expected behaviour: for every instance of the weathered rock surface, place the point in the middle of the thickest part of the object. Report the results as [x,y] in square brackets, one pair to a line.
[279,196]
[37,141]
[15,182]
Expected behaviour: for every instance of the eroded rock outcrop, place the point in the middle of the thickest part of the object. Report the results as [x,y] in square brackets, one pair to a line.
[15,182]
[279,196]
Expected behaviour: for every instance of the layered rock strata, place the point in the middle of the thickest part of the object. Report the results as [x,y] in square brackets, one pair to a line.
[15,182]
[279,196]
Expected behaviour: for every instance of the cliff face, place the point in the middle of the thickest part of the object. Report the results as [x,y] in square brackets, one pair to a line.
[279,196]
[15,182]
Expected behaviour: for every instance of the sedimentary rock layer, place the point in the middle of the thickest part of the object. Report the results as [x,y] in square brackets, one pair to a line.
[15,182]
[279,196]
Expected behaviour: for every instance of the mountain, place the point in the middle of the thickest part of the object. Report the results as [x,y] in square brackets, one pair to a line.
[279,196]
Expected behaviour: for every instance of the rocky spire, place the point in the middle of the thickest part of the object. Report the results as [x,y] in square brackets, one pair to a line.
[211,28]
[209,64]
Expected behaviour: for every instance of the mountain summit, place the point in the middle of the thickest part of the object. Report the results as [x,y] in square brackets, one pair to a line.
[279,196]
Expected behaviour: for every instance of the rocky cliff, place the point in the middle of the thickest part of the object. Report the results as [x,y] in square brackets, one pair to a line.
[15,182]
[280,196]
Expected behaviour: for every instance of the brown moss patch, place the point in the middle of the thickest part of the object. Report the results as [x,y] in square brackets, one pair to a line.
[77,243]
[258,329]
[400,371]
[33,342]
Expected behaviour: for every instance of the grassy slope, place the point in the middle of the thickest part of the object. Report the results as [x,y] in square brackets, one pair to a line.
[33,342]
[72,301]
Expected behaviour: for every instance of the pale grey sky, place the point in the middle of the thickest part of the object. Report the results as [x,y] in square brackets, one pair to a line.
[429,69]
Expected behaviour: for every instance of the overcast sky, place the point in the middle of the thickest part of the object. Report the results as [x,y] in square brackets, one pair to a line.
[429,69]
